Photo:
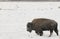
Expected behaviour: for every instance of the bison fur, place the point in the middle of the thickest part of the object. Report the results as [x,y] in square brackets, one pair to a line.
[42,24]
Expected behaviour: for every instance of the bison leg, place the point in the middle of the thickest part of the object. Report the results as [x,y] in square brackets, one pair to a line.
[41,33]
[37,32]
[51,31]
[56,31]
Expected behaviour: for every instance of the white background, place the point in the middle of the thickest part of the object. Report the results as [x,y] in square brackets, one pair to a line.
[15,15]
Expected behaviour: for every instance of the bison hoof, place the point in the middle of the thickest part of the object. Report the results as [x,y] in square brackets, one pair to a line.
[41,34]
[49,36]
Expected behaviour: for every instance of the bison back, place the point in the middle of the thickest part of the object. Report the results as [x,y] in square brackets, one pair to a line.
[44,23]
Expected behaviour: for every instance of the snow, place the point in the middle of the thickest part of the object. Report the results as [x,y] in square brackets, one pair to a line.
[15,15]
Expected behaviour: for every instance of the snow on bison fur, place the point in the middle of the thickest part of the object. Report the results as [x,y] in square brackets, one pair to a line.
[42,24]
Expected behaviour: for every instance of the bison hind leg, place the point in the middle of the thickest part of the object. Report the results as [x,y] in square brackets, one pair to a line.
[51,31]
[56,31]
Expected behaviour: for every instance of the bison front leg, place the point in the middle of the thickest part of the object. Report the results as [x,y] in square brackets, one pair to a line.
[41,33]
[51,31]
[37,32]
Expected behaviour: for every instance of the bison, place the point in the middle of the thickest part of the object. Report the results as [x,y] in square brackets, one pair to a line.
[42,24]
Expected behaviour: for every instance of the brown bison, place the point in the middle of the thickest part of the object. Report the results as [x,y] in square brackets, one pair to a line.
[42,24]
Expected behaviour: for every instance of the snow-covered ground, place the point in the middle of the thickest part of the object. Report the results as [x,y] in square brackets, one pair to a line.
[15,15]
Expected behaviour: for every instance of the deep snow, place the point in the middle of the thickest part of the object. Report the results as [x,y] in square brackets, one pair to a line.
[15,15]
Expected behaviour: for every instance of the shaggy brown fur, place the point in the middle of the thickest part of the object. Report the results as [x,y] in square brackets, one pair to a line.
[42,24]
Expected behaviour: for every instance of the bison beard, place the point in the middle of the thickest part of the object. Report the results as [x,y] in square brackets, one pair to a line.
[42,24]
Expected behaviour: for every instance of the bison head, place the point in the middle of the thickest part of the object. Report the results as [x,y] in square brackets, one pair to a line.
[29,26]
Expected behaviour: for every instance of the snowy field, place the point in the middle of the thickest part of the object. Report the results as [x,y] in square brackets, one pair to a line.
[15,15]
